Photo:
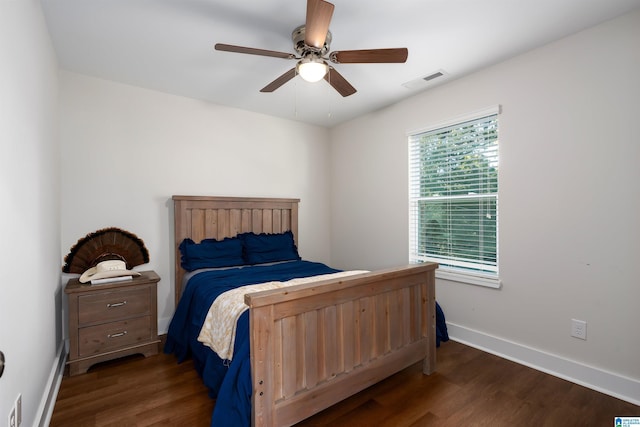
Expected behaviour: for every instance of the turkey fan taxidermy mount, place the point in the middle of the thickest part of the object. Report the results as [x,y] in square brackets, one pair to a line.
[311,42]
[106,244]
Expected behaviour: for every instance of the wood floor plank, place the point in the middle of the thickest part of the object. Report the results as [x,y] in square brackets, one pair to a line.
[470,387]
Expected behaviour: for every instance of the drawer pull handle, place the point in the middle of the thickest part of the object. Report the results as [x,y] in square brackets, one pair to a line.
[116,335]
[117,304]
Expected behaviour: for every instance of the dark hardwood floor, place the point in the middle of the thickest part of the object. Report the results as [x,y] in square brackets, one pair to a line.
[470,388]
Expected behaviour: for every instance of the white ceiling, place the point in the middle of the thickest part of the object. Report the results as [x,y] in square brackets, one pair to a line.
[167,45]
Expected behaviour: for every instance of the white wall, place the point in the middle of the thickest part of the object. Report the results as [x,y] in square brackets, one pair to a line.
[126,151]
[569,202]
[30,293]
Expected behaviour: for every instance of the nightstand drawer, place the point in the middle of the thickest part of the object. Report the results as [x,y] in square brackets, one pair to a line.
[113,336]
[114,305]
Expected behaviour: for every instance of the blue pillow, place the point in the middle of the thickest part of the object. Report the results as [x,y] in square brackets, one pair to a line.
[261,248]
[211,253]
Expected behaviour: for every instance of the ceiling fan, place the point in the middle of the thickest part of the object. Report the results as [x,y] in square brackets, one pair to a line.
[311,42]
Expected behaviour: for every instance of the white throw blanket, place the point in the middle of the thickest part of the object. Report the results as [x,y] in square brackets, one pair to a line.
[219,329]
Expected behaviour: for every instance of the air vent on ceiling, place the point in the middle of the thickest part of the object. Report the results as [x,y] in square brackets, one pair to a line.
[426,81]
[433,76]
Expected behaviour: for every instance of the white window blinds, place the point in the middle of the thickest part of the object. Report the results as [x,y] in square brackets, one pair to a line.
[453,196]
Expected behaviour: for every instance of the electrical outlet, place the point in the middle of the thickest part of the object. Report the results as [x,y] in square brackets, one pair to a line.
[18,407]
[579,329]
[12,418]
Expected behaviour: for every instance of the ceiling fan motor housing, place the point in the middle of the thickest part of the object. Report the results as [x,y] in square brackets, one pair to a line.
[302,48]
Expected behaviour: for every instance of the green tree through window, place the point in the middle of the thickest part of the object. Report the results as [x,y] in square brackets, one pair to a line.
[454,196]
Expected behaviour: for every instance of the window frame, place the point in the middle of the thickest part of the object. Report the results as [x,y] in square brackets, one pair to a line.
[474,277]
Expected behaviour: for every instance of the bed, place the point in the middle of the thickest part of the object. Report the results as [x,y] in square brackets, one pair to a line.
[303,348]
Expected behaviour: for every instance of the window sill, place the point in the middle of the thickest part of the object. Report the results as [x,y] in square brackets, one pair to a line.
[469,279]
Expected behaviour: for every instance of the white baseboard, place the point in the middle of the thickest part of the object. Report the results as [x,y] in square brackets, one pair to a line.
[48,401]
[597,379]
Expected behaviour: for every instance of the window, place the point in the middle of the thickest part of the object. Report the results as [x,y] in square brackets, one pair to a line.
[453,198]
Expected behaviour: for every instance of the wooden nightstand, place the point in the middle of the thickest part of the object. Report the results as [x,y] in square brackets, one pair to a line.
[112,320]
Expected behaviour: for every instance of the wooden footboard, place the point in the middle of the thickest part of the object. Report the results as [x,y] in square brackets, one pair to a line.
[313,345]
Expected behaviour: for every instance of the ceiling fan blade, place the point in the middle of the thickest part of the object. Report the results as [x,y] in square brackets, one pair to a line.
[339,83]
[369,56]
[253,51]
[279,81]
[319,14]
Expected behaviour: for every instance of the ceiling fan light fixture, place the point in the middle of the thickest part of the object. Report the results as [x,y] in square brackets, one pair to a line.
[312,69]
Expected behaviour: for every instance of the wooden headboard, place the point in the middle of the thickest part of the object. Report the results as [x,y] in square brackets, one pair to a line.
[202,217]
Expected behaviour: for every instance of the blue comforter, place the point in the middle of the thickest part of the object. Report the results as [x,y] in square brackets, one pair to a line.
[229,383]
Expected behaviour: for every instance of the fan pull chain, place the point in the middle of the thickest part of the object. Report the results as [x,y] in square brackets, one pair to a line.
[329,104]
[295,96]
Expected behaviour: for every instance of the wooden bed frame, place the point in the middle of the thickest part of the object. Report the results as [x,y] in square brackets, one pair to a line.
[316,344]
